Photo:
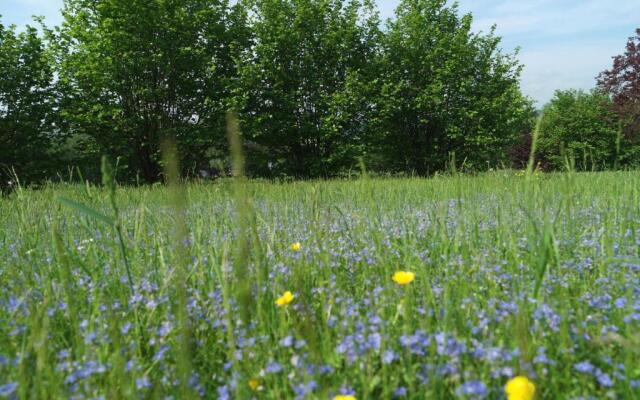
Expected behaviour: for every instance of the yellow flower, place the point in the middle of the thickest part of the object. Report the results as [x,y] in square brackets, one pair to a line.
[403,277]
[520,388]
[344,397]
[286,298]
[296,246]
[253,384]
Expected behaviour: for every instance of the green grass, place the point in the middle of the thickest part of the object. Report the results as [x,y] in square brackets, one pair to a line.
[514,276]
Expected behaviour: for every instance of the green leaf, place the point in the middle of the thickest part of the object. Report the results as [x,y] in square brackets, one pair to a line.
[374,382]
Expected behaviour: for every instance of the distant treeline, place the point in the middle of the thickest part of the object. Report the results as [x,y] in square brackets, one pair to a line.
[320,87]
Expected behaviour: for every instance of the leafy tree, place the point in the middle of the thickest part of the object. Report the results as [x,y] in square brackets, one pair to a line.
[622,82]
[300,84]
[26,105]
[318,86]
[579,127]
[133,72]
[445,90]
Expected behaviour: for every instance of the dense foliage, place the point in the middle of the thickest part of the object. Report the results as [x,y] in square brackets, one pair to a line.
[579,130]
[298,80]
[26,106]
[321,87]
[622,82]
[444,90]
[134,72]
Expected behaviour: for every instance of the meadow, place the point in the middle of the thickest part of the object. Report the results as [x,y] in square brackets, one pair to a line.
[254,289]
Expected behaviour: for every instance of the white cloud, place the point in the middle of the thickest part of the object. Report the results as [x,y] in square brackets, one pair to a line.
[564,43]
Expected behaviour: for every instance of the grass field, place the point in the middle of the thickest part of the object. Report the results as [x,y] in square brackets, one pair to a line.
[535,276]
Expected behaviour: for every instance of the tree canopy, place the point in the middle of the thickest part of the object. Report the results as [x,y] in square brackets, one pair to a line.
[134,72]
[579,130]
[26,105]
[622,83]
[443,90]
[320,86]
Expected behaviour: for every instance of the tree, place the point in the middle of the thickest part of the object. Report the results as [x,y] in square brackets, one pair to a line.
[300,84]
[317,84]
[579,128]
[445,90]
[622,82]
[26,105]
[134,72]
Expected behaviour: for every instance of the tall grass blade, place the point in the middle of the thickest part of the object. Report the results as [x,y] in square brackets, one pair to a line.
[88,211]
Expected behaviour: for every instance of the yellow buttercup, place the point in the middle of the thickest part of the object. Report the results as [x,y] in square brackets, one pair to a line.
[403,277]
[286,298]
[520,388]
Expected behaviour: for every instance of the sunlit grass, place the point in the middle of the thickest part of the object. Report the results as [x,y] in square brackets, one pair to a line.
[415,288]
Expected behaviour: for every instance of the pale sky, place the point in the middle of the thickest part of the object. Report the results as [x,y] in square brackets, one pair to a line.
[564,43]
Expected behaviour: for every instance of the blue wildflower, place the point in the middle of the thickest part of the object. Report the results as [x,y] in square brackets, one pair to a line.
[143,383]
[584,367]
[475,389]
[400,391]
[273,367]
[388,357]
[286,341]
[604,379]
[8,389]
[303,390]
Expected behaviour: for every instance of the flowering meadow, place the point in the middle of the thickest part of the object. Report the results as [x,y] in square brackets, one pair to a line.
[495,286]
